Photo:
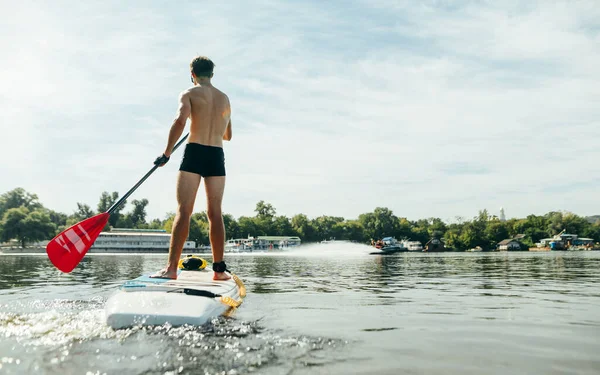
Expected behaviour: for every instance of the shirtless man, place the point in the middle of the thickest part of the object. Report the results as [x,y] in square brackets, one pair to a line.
[210,114]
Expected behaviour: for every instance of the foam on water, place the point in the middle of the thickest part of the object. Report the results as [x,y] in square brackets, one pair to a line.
[55,323]
[334,249]
[63,335]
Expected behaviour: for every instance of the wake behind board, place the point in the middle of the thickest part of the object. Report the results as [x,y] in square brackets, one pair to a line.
[194,298]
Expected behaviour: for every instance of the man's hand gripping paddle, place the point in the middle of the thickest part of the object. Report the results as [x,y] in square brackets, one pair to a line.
[67,249]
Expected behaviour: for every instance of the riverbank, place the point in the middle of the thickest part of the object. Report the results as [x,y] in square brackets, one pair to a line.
[207,250]
[416,313]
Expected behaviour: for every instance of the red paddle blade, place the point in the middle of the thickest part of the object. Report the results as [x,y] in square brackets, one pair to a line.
[68,248]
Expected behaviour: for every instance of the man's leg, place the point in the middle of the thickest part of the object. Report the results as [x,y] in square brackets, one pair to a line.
[187,187]
[215,186]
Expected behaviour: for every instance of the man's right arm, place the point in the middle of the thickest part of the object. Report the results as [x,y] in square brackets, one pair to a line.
[227,135]
[185,108]
[177,127]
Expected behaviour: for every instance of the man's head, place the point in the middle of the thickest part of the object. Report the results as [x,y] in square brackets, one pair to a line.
[202,67]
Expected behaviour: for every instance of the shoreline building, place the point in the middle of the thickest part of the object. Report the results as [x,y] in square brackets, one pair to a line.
[565,241]
[132,240]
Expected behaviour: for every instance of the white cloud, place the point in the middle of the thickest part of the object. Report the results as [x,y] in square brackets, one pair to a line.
[428,110]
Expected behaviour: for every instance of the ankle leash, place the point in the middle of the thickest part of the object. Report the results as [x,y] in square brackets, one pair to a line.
[220,267]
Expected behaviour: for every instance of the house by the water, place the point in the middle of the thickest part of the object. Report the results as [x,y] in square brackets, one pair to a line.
[510,244]
[434,245]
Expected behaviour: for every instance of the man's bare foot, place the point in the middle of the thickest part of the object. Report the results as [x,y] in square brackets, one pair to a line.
[165,274]
[221,276]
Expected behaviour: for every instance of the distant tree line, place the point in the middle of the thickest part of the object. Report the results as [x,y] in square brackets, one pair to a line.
[24,218]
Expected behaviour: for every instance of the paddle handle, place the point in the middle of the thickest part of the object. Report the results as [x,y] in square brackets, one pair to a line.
[141,181]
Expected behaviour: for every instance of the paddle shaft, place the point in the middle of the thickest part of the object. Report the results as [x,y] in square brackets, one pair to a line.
[141,181]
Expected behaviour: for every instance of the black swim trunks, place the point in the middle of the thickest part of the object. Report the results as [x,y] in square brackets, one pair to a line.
[207,161]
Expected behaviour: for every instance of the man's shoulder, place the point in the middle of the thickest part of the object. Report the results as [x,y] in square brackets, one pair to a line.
[186,92]
[220,92]
[202,90]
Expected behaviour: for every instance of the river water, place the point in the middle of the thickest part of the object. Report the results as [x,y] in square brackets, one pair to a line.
[321,309]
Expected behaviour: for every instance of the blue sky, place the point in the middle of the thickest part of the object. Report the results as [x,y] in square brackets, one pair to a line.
[428,108]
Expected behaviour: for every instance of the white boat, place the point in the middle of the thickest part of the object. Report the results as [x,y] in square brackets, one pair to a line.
[234,245]
[476,249]
[194,299]
[237,245]
[412,245]
[261,243]
[130,240]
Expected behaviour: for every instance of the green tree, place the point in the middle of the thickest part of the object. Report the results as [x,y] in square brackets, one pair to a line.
[106,201]
[168,224]
[351,230]
[59,219]
[12,224]
[574,224]
[156,224]
[592,231]
[248,227]
[18,198]
[38,226]
[303,228]
[420,230]
[404,229]
[534,228]
[468,237]
[83,212]
[126,222]
[380,223]
[232,228]
[452,238]
[265,210]
[138,214]
[26,226]
[555,222]
[495,232]
[324,226]
[282,227]
[437,227]
[198,231]
[265,214]
[475,231]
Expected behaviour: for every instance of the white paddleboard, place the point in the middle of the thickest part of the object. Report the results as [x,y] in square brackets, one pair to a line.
[194,298]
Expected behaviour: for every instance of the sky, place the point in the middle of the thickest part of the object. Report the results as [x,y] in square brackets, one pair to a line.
[431,109]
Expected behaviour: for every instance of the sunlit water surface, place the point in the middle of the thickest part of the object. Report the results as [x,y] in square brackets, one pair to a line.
[321,309]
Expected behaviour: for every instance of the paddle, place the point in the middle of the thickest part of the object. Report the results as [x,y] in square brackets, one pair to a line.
[68,248]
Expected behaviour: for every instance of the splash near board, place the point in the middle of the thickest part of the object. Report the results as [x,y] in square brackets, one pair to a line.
[193,298]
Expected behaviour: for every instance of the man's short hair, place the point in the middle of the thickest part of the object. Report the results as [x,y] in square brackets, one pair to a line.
[202,66]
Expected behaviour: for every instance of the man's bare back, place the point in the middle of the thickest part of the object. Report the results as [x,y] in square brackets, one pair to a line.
[210,114]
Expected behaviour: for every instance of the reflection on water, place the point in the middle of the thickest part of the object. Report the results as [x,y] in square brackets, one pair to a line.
[319,310]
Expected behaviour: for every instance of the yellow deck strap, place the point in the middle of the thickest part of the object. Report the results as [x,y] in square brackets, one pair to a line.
[240,285]
[242,291]
[230,301]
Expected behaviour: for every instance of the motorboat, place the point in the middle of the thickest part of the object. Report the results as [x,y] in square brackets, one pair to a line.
[388,245]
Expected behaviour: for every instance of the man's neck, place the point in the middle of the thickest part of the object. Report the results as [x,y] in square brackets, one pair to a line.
[203,81]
